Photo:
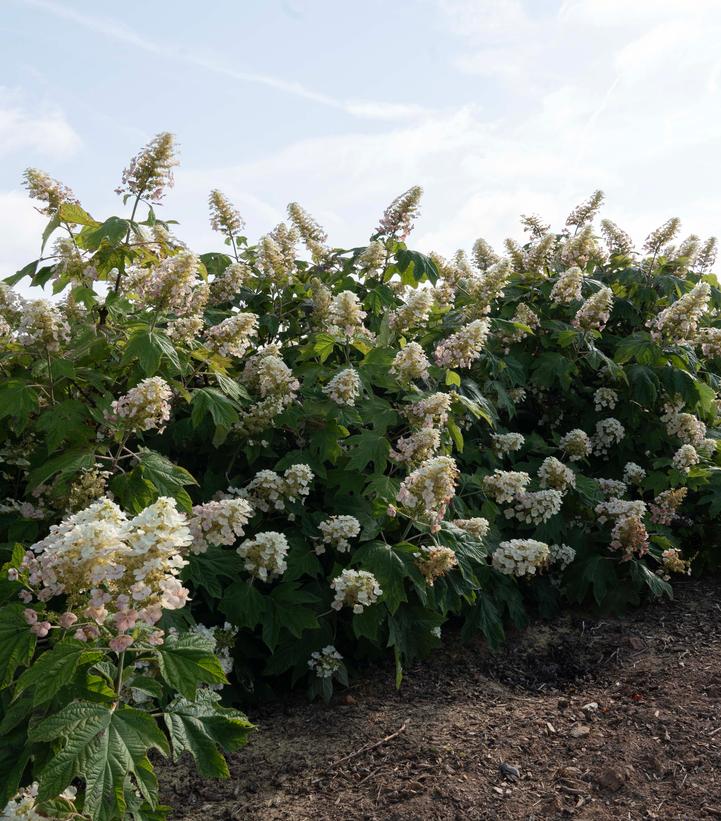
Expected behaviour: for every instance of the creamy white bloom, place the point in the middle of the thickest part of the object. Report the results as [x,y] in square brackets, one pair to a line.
[42,324]
[344,388]
[576,444]
[232,336]
[144,407]
[346,316]
[476,526]
[561,555]
[504,485]
[461,349]
[435,561]
[633,474]
[426,492]
[554,474]
[325,662]
[679,322]
[356,589]
[337,531]
[568,287]
[265,555]
[605,398]
[609,432]
[410,363]
[685,458]
[595,311]
[507,442]
[521,557]
[534,508]
[218,523]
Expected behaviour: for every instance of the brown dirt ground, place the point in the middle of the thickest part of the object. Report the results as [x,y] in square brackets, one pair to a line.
[601,718]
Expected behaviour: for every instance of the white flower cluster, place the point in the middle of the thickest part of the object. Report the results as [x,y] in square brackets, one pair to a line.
[114,572]
[633,474]
[521,557]
[461,349]
[325,662]
[679,322]
[612,488]
[504,485]
[429,412]
[346,316]
[43,325]
[710,341]
[169,286]
[344,388]
[144,407]
[562,555]
[673,563]
[477,526]
[435,561]
[605,398]
[685,458]
[337,531]
[629,535]
[372,256]
[225,287]
[275,379]
[410,363]
[414,312]
[275,260]
[554,474]
[232,336]
[356,589]
[426,492]
[23,805]
[534,508]
[615,508]
[665,506]
[575,444]
[483,290]
[593,314]
[609,432]
[567,288]
[265,555]
[397,219]
[224,217]
[507,442]
[218,523]
[313,236]
[267,490]
[684,426]
[418,446]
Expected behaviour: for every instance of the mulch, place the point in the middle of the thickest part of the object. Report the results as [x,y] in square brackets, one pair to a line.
[585,717]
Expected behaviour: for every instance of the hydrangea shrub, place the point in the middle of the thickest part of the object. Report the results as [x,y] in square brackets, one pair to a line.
[262,465]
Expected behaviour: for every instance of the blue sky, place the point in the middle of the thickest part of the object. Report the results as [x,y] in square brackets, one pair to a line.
[496,107]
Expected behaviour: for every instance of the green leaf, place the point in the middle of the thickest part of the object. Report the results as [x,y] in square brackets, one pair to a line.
[17,399]
[149,348]
[286,610]
[187,660]
[210,401]
[65,464]
[368,447]
[388,567]
[655,584]
[206,569]
[203,728]
[215,264]
[56,668]
[243,604]
[486,618]
[168,479]
[27,271]
[102,746]
[17,643]
[113,230]
[73,213]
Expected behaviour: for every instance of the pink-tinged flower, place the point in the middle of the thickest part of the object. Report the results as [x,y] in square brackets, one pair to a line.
[156,638]
[80,634]
[30,616]
[125,620]
[25,596]
[13,574]
[41,629]
[121,643]
[392,511]
[91,631]
[67,620]
[98,614]
[151,614]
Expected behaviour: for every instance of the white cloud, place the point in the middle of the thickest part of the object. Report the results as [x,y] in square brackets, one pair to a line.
[45,131]
[117,30]
[22,227]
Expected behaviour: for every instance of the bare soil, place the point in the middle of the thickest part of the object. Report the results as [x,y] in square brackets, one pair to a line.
[584,717]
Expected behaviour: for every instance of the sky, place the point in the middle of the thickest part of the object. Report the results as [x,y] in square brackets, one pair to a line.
[495,107]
